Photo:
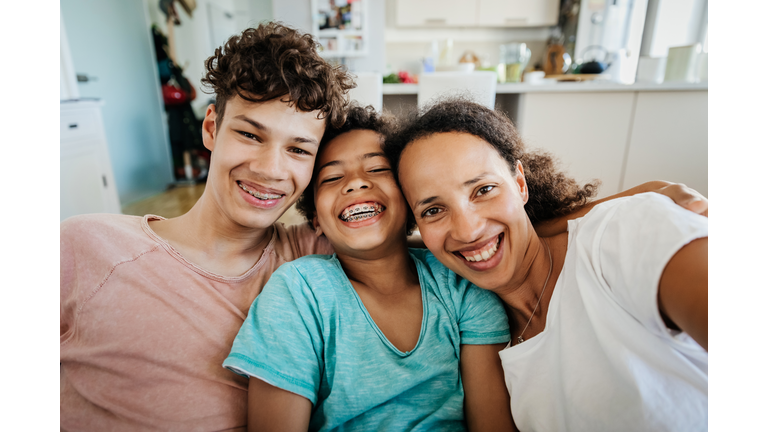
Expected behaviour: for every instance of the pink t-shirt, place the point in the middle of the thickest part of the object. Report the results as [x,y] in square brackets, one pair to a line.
[144,332]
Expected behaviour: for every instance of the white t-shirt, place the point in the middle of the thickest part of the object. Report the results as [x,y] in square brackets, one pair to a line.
[606,361]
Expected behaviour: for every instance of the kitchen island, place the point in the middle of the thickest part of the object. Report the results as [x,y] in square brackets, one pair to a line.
[621,134]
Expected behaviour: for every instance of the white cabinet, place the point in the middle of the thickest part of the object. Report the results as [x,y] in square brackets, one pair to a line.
[585,131]
[436,13]
[517,13]
[87,182]
[476,13]
[622,138]
[669,139]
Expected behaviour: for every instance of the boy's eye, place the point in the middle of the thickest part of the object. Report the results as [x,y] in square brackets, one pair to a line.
[380,170]
[300,151]
[248,135]
[484,190]
[330,179]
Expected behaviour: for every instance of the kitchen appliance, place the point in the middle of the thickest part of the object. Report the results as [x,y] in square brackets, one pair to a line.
[513,58]
[616,26]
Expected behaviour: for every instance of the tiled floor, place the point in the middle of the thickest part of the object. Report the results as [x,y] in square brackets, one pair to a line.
[177,201]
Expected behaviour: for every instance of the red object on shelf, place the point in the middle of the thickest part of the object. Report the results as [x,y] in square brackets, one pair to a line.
[406,78]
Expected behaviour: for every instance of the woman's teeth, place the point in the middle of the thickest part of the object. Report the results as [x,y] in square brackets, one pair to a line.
[360,212]
[483,254]
[259,195]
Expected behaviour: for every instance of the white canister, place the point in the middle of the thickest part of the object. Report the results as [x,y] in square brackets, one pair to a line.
[651,69]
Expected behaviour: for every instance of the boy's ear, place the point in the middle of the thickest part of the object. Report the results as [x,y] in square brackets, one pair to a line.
[209,127]
[316,224]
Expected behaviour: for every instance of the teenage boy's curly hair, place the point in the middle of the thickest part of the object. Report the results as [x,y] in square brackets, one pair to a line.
[273,61]
[358,118]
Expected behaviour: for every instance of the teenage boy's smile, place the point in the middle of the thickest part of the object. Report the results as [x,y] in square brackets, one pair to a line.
[361,212]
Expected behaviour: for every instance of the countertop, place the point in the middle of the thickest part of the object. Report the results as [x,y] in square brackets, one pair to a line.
[565,87]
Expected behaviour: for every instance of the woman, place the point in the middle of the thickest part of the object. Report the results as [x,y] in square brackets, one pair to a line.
[608,320]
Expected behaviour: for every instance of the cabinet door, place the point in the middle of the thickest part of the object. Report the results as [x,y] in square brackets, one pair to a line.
[84,181]
[436,13]
[669,139]
[517,13]
[586,132]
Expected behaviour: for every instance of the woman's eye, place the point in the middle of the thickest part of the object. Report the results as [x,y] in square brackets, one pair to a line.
[484,190]
[430,212]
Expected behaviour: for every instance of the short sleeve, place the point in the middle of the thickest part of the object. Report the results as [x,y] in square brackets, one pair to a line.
[482,319]
[479,313]
[281,341]
[636,239]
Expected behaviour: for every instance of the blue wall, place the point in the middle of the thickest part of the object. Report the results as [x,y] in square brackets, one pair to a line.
[111,40]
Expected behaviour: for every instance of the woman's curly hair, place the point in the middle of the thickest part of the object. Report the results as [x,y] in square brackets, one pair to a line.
[358,118]
[550,192]
[272,61]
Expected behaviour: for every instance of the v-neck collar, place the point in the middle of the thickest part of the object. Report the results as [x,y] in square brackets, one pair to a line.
[424,309]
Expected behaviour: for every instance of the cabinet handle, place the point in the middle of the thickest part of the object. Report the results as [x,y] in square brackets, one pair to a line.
[104,179]
[73,125]
[434,21]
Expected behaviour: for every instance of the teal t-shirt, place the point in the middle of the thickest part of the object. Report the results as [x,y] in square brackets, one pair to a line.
[309,333]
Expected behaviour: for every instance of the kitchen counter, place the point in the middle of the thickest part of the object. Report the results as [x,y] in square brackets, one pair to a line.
[565,87]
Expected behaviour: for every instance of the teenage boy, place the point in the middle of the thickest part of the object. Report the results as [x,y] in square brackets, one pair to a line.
[150,306]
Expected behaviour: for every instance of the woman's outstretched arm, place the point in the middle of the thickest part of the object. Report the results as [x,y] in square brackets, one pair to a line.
[486,400]
[683,290]
[681,194]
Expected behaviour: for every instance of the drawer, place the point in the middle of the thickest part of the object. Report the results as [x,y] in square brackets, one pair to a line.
[78,124]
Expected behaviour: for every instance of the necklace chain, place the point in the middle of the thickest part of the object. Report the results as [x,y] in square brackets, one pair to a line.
[520,338]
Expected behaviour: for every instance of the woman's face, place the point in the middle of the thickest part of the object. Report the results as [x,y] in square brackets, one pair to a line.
[468,205]
[359,207]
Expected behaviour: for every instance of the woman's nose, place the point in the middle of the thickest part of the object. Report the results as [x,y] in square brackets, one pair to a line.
[467,226]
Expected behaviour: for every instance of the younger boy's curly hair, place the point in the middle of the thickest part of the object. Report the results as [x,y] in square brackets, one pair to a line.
[358,118]
[272,61]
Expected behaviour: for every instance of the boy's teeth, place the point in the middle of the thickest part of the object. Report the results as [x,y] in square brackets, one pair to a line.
[361,211]
[258,195]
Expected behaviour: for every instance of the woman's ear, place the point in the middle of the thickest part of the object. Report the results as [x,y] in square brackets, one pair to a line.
[316,224]
[520,181]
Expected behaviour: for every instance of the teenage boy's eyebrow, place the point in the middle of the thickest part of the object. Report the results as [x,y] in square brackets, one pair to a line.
[365,156]
[261,127]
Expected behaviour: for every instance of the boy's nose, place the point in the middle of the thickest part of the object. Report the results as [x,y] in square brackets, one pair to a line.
[356,183]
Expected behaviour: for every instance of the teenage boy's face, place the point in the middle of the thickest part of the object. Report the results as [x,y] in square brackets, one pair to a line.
[359,207]
[262,158]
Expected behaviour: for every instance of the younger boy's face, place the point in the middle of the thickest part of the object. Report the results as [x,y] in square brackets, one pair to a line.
[262,158]
[359,206]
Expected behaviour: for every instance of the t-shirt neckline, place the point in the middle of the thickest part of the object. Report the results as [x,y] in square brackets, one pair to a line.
[201,271]
[372,323]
